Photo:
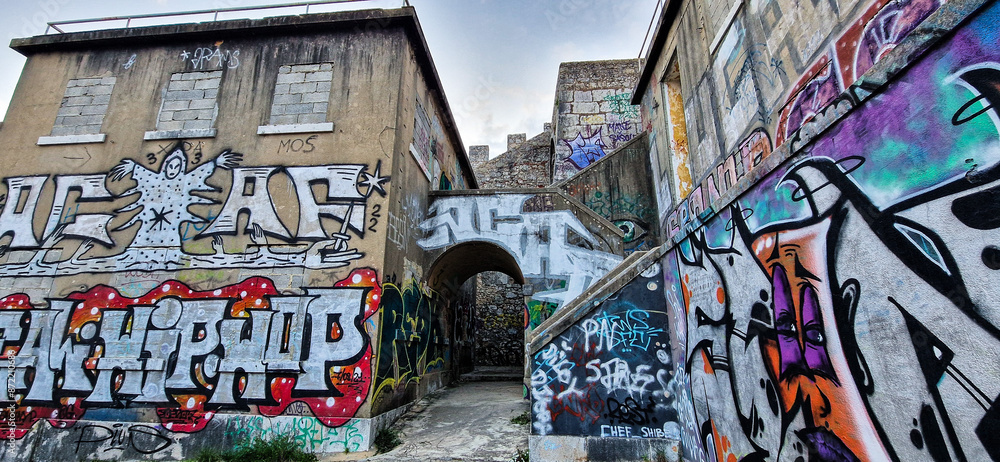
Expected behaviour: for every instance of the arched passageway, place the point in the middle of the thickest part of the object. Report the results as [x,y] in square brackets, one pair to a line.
[483,283]
[464,260]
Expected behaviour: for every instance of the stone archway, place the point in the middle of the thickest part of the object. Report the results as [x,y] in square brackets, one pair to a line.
[544,239]
[464,260]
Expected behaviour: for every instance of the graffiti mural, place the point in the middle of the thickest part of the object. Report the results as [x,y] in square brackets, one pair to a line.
[412,335]
[546,245]
[842,308]
[585,150]
[158,221]
[874,34]
[167,340]
[719,180]
[623,193]
[190,354]
[611,374]
[428,150]
[308,433]
[537,312]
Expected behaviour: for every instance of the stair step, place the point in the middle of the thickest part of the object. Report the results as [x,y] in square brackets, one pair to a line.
[494,374]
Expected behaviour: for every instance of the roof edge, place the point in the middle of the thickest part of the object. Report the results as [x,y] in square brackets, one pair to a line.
[405,18]
[663,27]
[426,61]
[158,33]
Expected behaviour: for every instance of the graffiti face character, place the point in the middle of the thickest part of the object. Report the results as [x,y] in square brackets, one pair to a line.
[804,353]
[163,197]
[173,166]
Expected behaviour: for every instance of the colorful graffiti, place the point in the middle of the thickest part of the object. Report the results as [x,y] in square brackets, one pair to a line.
[843,308]
[428,151]
[190,354]
[536,312]
[154,234]
[719,181]
[611,374]
[585,150]
[623,192]
[411,335]
[593,122]
[874,34]
[306,432]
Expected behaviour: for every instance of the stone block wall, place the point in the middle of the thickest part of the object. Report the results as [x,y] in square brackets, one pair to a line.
[499,321]
[593,113]
[83,106]
[479,154]
[524,165]
[302,94]
[189,101]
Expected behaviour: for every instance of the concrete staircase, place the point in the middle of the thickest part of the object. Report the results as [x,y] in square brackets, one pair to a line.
[493,374]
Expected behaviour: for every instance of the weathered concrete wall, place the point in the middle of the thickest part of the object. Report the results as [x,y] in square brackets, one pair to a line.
[620,188]
[414,329]
[593,113]
[843,305]
[740,80]
[168,287]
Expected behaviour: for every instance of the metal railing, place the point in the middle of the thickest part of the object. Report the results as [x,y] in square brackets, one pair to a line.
[58,26]
[649,30]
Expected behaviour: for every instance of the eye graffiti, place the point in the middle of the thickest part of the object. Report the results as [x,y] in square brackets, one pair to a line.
[633,230]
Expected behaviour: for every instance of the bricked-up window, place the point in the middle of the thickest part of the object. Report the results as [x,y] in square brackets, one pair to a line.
[301,99]
[189,108]
[82,111]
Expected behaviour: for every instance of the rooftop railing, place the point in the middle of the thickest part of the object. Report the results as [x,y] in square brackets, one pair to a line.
[78,25]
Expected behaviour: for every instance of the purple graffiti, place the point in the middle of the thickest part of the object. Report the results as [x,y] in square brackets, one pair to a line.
[586,150]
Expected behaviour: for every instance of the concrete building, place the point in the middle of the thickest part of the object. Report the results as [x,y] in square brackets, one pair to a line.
[826,286]
[209,234]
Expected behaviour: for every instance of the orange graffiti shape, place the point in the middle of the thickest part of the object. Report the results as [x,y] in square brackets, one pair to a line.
[805,355]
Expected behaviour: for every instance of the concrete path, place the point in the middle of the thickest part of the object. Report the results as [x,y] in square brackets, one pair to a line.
[468,422]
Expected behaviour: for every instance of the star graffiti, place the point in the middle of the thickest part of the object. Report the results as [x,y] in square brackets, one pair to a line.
[159,218]
[374,180]
[585,149]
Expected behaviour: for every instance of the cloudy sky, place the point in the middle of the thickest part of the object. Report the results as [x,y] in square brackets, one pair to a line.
[498,59]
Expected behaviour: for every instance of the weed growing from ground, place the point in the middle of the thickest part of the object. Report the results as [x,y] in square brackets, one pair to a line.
[387,439]
[660,457]
[280,449]
[522,419]
[521,456]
